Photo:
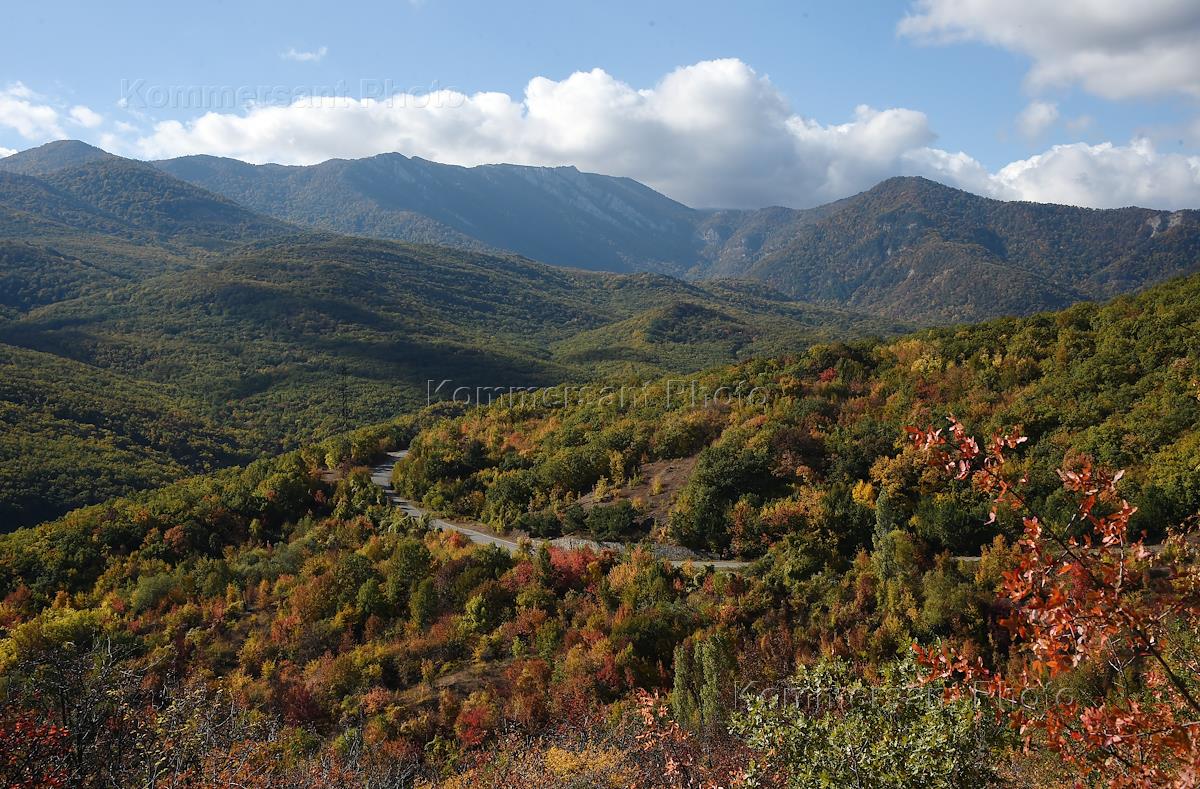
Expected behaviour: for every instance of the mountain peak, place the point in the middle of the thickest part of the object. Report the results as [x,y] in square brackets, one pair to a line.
[53,156]
[912,184]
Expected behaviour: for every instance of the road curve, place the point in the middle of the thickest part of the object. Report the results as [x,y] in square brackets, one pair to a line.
[381,475]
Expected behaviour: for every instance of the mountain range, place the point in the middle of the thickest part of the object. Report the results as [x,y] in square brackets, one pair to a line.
[909,248]
[181,315]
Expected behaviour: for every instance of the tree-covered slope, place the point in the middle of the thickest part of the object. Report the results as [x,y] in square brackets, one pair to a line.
[122,216]
[71,435]
[273,333]
[286,341]
[145,199]
[909,247]
[278,624]
[114,271]
[813,444]
[57,155]
[288,334]
[32,275]
[903,249]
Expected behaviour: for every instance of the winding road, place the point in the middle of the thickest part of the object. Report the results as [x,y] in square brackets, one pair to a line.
[381,475]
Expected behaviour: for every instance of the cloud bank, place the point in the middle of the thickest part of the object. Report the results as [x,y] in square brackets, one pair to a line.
[715,133]
[24,112]
[712,134]
[1117,50]
[86,117]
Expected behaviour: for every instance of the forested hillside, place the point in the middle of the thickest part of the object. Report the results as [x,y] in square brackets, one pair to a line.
[809,443]
[119,197]
[118,217]
[267,624]
[275,331]
[909,249]
[249,327]
[256,328]
[52,156]
[915,249]
[75,434]
[770,396]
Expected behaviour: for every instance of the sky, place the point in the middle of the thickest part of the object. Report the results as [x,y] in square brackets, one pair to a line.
[1086,102]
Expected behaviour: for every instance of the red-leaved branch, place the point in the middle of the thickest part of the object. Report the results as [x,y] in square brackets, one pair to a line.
[1103,666]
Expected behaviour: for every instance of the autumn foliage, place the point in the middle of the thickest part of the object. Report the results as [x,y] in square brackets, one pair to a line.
[32,753]
[1102,668]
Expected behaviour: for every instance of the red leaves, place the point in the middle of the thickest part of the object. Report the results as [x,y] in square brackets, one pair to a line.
[476,719]
[571,566]
[1083,601]
[32,753]
[680,759]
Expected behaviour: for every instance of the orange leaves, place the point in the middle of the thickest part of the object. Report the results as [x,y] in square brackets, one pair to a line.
[32,753]
[1078,601]
[477,718]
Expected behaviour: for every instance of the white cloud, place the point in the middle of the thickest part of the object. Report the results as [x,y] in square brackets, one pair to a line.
[714,133]
[305,57]
[711,134]
[86,117]
[25,112]
[6,152]
[957,169]
[1097,176]
[1116,50]
[1104,176]
[1037,118]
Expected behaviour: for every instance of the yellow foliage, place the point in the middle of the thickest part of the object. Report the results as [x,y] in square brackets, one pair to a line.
[805,506]
[620,576]
[586,763]
[864,494]
[600,492]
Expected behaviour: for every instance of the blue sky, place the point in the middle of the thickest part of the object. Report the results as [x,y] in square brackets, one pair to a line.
[993,86]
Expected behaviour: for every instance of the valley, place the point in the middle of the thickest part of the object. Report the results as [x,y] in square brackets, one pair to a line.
[264,327]
[281,335]
[248,523]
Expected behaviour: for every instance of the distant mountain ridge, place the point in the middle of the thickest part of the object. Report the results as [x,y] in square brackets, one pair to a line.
[123,216]
[558,215]
[52,156]
[908,249]
[915,249]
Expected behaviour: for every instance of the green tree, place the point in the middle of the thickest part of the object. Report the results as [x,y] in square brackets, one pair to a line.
[831,729]
[703,683]
[422,606]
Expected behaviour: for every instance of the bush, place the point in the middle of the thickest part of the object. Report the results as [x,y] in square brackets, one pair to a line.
[612,522]
[834,728]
